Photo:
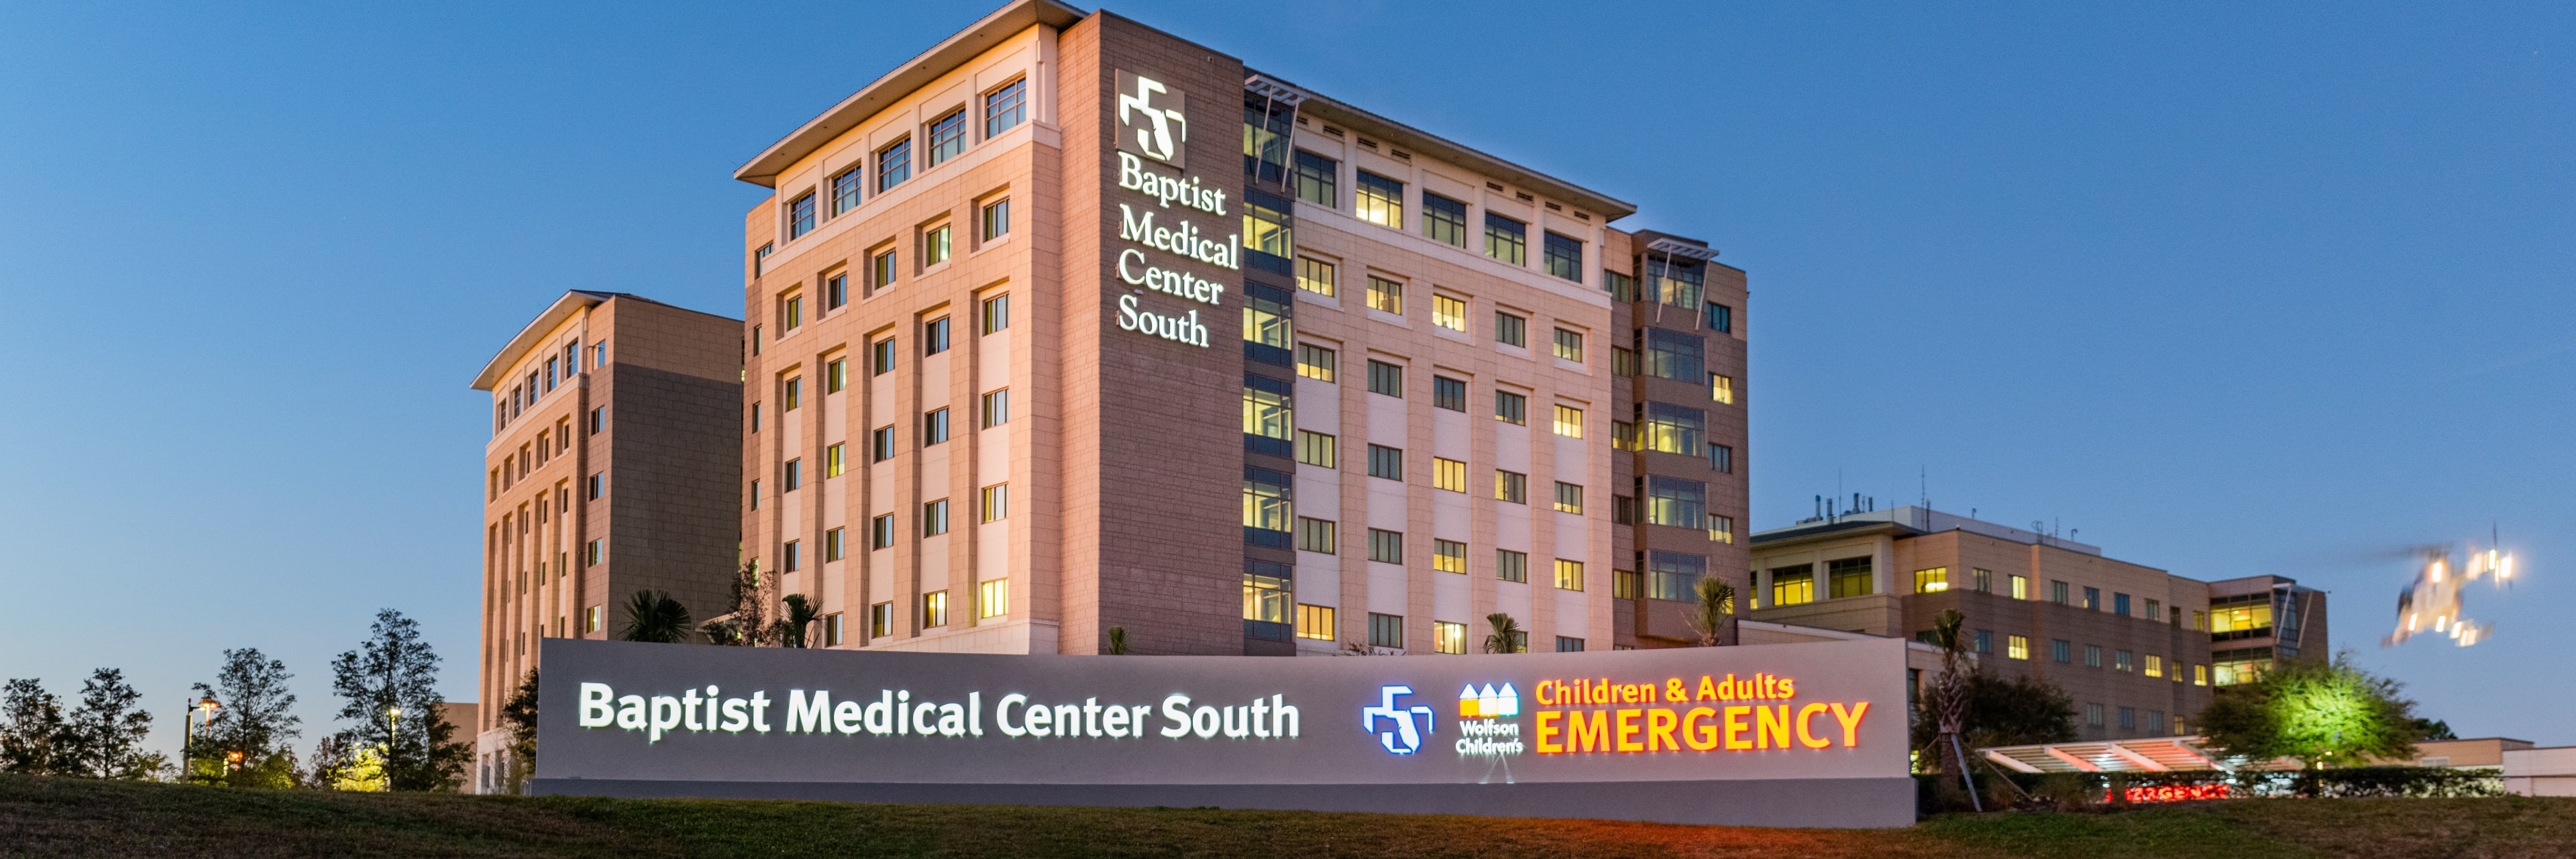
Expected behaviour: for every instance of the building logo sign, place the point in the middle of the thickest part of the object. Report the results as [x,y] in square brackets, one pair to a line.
[1150,133]
[1399,728]
[1150,120]
[1488,721]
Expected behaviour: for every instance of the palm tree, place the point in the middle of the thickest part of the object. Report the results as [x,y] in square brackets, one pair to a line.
[654,616]
[1950,700]
[1507,637]
[800,614]
[1714,607]
[1117,641]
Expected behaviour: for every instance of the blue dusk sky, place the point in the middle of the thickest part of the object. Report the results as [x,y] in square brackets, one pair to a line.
[2224,288]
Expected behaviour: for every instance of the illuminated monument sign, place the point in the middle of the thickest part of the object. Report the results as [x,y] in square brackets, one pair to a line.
[1787,735]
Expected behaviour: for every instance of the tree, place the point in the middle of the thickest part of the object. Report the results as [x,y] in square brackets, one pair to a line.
[2322,712]
[2006,712]
[751,623]
[1950,702]
[389,690]
[107,731]
[253,717]
[2433,730]
[520,714]
[1507,637]
[654,616]
[35,736]
[1712,610]
[801,616]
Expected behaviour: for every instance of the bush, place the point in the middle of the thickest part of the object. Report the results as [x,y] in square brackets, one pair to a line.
[2079,791]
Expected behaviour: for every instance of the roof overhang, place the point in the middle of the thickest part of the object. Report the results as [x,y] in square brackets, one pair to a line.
[913,74]
[572,302]
[1829,530]
[1422,142]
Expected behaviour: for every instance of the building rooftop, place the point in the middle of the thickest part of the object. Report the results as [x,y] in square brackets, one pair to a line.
[1918,520]
[573,301]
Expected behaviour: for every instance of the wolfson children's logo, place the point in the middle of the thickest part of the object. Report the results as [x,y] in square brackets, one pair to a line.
[894,712]
[1481,729]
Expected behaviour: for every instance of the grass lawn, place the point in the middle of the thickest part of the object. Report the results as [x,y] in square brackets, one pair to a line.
[74,817]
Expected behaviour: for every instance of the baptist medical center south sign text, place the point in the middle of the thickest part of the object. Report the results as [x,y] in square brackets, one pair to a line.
[694,720]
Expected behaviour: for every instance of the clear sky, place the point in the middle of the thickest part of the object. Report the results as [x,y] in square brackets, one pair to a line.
[2225,288]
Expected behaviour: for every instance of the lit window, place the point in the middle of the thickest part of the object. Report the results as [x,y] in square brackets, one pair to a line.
[1673,355]
[1316,276]
[1316,362]
[834,464]
[1319,535]
[996,220]
[1449,313]
[1315,621]
[934,608]
[1850,577]
[1266,507]
[1386,547]
[2016,647]
[1265,410]
[1506,239]
[1266,225]
[1569,497]
[1721,388]
[1670,428]
[1265,592]
[1315,177]
[881,619]
[947,136]
[2020,587]
[1266,320]
[1511,486]
[1569,575]
[1444,220]
[936,243]
[1385,295]
[1981,580]
[1569,421]
[1793,585]
[1674,501]
[1511,566]
[997,502]
[1381,200]
[1721,528]
[1569,345]
[2154,666]
[1317,449]
[1565,257]
[1005,107]
[1448,556]
[996,313]
[992,598]
[1449,474]
[1933,580]
[1448,637]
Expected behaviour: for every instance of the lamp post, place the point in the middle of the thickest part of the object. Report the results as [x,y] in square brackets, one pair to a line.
[188,726]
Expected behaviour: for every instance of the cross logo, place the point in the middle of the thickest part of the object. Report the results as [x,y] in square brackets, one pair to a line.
[1405,739]
[1149,119]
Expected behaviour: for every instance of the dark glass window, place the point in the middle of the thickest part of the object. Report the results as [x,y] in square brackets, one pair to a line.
[947,137]
[800,216]
[1316,175]
[1444,219]
[1448,393]
[1386,630]
[1673,355]
[1388,379]
[1720,318]
[894,164]
[1506,239]
[1673,575]
[1386,462]
[845,190]
[1565,257]
[1004,108]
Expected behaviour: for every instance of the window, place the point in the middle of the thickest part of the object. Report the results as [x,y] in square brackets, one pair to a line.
[1317,449]
[795,556]
[1672,355]
[881,619]
[1385,295]
[947,136]
[894,164]
[2092,656]
[599,486]
[2154,666]
[881,270]
[1670,428]
[1449,313]
[1314,177]
[760,258]
[1569,421]
[1511,408]
[997,408]
[1624,436]
[2200,621]
[1317,363]
[1385,378]
[995,222]
[2016,647]
[1448,393]
[1386,547]
[1511,486]
[1444,220]
[2120,604]
[832,635]
[2020,587]
[1315,621]
[1506,239]
[1569,345]
[1721,528]
[1793,585]
[1721,388]
[1721,458]
[2156,611]
[2057,592]
[1266,225]
[1265,592]
[595,553]
[1448,474]
[2093,715]
[1674,281]
[836,375]
[1933,580]
[934,427]
[1719,318]
[2060,650]
[1565,257]
[1267,513]
[1622,287]
[834,548]
[755,495]
[881,444]
[1005,107]
[845,190]
[2200,675]
[1266,415]
[1509,566]
[2093,599]
[1448,637]
[1317,276]
[1624,362]
[1448,556]
[1386,630]
[1627,584]
[1985,641]
[1381,200]
[934,336]
[881,532]
[996,313]
[1266,321]
[1569,575]
[882,360]
[1386,462]
[591,619]
[1850,577]
[996,504]
[1569,497]
[834,465]
[1674,501]
[1981,580]
[934,608]
[800,215]
[599,419]
[936,244]
[1673,575]
[2128,718]
[793,394]
[1319,535]
[934,518]
[1569,645]
[1511,330]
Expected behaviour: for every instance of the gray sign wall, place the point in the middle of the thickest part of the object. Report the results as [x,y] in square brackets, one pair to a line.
[1786,735]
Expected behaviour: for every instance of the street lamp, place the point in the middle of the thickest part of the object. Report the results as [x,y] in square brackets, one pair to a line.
[188,726]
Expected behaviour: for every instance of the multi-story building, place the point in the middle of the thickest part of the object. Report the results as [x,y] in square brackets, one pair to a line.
[2129,644]
[2256,620]
[1068,329]
[611,470]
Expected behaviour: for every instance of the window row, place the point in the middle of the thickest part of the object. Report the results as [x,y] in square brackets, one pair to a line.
[1449,312]
[939,141]
[1381,200]
[557,370]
